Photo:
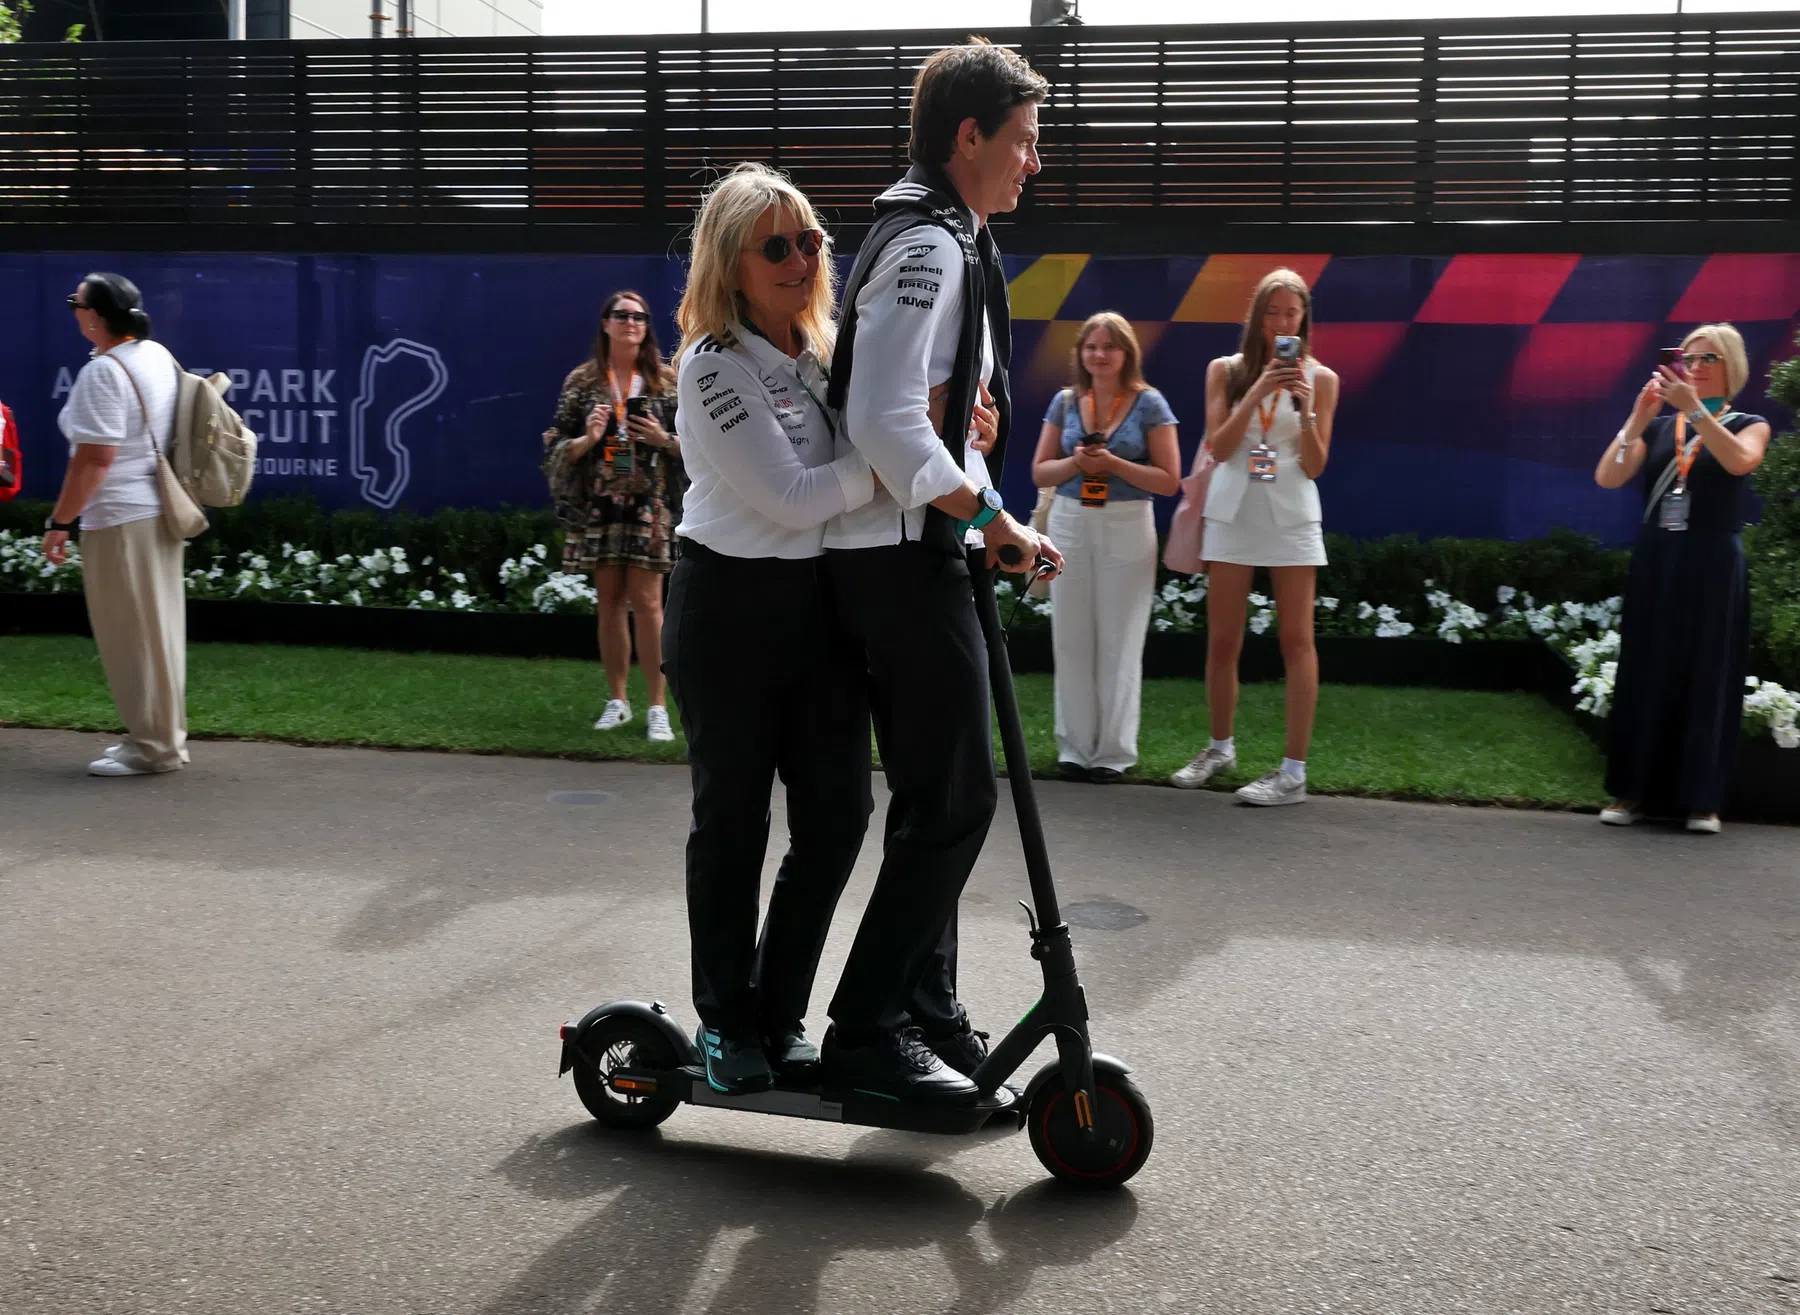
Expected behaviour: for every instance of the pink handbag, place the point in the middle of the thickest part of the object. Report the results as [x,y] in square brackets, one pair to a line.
[1187,527]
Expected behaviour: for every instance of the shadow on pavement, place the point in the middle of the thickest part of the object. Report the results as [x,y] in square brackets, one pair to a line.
[673,1208]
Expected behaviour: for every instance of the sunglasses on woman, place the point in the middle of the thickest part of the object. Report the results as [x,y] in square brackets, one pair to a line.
[775,249]
[1691,359]
[75,303]
[628,316]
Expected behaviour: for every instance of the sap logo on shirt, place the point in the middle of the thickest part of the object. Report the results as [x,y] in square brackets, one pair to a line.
[919,253]
[706,380]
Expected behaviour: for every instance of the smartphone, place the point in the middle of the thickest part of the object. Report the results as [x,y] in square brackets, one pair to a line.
[1092,440]
[637,406]
[1287,349]
[1671,357]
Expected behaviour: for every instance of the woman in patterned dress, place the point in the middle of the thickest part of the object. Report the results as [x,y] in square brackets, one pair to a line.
[616,477]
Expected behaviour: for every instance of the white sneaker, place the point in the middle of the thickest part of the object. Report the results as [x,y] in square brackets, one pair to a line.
[115,750]
[1619,815]
[1707,825]
[1202,769]
[617,713]
[657,722]
[1275,788]
[113,767]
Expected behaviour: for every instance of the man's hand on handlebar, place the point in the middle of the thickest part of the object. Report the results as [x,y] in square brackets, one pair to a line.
[1030,550]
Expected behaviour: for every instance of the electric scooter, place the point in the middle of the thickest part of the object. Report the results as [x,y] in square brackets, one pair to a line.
[1089,1123]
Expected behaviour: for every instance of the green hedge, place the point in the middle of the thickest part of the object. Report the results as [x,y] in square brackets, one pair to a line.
[457,539]
[1774,545]
[1565,566]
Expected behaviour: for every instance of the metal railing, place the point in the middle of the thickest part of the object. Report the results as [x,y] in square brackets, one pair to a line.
[1614,120]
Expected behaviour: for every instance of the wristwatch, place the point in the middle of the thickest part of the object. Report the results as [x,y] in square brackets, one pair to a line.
[67,527]
[1698,414]
[992,504]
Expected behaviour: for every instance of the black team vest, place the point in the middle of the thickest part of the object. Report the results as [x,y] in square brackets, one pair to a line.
[926,196]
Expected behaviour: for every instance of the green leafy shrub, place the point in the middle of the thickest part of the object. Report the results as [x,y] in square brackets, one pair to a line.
[1774,545]
[454,539]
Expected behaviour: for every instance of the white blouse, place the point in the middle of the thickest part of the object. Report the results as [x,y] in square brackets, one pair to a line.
[757,442]
[103,409]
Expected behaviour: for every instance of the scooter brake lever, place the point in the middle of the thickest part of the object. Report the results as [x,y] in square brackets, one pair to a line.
[1030,918]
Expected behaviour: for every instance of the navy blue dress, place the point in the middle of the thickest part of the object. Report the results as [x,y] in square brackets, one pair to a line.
[1678,693]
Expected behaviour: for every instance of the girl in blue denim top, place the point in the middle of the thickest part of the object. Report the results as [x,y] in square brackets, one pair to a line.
[1103,519]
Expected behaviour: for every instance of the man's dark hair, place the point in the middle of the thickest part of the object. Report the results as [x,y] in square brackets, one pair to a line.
[977,80]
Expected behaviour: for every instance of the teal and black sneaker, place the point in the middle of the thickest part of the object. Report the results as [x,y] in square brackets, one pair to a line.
[734,1064]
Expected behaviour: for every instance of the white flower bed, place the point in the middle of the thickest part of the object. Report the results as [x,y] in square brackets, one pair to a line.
[1586,633]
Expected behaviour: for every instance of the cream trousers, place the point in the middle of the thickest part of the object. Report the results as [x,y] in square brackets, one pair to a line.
[137,606]
[1100,609]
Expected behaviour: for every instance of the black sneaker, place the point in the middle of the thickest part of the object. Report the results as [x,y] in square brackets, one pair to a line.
[734,1065]
[1105,775]
[1071,771]
[963,1049]
[896,1064]
[792,1056]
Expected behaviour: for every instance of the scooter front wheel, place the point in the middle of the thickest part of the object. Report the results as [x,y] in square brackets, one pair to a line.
[616,1043]
[1123,1132]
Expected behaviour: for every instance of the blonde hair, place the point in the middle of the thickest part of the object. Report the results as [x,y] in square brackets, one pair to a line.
[1253,347]
[1731,346]
[713,302]
[1131,373]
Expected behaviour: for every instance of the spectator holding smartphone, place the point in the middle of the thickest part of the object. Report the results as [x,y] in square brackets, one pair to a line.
[1268,418]
[616,478]
[1678,692]
[1108,446]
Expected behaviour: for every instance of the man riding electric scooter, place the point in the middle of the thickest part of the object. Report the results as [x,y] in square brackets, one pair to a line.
[926,306]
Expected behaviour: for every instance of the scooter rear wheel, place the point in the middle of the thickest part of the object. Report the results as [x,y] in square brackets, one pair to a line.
[616,1043]
[1123,1132]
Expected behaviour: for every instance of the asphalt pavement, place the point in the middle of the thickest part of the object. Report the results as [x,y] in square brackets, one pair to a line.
[281,1035]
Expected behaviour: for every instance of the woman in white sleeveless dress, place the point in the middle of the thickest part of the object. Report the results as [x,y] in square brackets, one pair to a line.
[1269,426]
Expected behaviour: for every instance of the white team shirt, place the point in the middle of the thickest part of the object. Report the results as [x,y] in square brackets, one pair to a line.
[908,319]
[103,409]
[758,445]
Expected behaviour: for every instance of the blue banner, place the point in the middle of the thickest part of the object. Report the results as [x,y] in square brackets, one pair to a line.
[1478,390]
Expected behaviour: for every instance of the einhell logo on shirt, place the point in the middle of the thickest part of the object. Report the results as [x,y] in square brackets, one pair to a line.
[304,431]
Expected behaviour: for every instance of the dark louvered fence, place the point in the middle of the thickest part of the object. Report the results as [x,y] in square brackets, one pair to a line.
[576,142]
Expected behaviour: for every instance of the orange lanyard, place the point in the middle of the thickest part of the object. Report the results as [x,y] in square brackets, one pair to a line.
[618,403]
[1111,416]
[1686,453]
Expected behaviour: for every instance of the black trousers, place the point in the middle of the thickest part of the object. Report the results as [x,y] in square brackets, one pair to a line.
[767,686]
[910,609]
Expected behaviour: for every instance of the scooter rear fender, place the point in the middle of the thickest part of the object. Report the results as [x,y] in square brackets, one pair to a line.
[575,1035]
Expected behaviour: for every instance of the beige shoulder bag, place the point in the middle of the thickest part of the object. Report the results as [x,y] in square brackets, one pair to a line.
[179,511]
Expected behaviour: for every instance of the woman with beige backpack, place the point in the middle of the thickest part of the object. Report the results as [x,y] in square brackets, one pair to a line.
[119,420]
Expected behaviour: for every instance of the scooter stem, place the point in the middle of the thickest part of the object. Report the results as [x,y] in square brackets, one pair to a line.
[1012,742]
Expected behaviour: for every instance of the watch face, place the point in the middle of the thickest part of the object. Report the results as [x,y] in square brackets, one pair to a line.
[993,499]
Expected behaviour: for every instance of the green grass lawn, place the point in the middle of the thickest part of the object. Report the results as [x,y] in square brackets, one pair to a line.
[1447,745]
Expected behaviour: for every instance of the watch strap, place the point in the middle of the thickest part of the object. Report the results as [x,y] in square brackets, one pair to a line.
[981,517]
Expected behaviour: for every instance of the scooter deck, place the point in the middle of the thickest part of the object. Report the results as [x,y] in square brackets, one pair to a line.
[814,1101]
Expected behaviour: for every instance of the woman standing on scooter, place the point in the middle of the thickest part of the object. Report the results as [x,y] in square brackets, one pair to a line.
[763,683]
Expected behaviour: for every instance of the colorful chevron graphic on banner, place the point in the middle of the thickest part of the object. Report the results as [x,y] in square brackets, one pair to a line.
[1516,365]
